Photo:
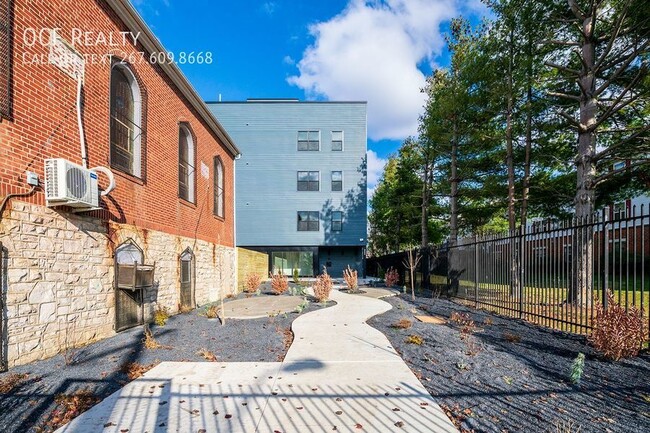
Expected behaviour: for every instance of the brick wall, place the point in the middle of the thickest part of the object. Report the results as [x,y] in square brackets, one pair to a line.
[58,285]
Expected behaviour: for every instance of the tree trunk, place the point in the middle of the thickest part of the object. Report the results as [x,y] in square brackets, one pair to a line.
[529,134]
[452,267]
[581,292]
[425,206]
[512,219]
[453,200]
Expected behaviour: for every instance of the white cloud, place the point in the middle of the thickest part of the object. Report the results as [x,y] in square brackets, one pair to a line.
[371,51]
[269,8]
[375,168]
[288,60]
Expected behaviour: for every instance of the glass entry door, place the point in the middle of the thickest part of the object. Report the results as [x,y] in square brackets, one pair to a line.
[287,261]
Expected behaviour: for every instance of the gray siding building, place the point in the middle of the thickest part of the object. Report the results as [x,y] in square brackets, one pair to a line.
[300,182]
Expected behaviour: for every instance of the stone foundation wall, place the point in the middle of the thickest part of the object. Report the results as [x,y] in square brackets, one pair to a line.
[58,272]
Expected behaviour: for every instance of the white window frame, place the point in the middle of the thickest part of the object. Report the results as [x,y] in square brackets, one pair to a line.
[309,133]
[137,116]
[342,140]
[191,152]
[332,180]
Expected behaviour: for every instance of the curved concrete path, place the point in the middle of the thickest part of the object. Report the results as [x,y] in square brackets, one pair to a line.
[340,374]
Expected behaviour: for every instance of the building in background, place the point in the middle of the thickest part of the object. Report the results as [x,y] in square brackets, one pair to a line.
[68,254]
[301,181]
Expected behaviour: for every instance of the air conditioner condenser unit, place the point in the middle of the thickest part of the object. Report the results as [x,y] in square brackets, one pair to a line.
[69,184]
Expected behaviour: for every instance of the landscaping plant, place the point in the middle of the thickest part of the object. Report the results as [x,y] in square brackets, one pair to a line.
[350,277]
[212,312]
[323,286]
[618,332]
[402,324]
[415,339]
[392,277]
[411,262]
[160,315]
[296,276]
[577,368]
[252,282]
[279,283]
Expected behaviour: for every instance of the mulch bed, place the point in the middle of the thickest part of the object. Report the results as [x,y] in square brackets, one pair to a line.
[99,368]
[511,376]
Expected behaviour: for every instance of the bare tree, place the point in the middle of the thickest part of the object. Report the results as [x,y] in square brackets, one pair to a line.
[411,262]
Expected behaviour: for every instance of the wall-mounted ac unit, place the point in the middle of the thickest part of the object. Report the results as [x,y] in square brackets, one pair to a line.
[69,184]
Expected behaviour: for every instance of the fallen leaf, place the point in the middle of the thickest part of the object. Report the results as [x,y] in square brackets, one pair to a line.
[399,424]
[338,412]
[109,424]
[358,426]
[395,409]
[228,416]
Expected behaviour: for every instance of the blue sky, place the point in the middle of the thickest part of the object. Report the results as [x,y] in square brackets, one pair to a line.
[378,51]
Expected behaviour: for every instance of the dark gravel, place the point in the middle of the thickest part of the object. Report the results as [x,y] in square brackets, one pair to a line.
[518,386]
[98,366]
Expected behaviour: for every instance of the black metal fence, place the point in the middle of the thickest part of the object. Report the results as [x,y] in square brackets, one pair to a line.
[536,273]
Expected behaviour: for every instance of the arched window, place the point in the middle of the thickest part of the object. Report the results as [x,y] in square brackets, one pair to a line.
[126,121]
[187,278]
[185,164]
[218,187]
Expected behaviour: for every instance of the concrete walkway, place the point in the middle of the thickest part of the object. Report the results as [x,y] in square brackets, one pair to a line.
[339,375]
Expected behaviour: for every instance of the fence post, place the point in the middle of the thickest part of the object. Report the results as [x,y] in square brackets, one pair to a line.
[605,264]
[476,271]
[520,263]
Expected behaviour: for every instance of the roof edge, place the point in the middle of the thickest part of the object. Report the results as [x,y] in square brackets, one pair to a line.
[134,22]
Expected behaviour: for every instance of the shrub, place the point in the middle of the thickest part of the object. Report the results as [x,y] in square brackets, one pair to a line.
[212,312]
[577,368]
[185,309]
[392,277]
[618,333]
[415,339]
[511,338]
[279,283]
[467,325]
[350,276]
[296,276]
[252,282]
[402,324]
[323,286]
[160,315]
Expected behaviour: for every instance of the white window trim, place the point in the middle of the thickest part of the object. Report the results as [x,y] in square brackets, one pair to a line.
[137,116]
[191,158]
[342,180]
[342,140]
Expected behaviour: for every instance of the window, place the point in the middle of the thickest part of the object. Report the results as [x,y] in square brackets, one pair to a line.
[218,187]
[308,221]
[126,115]
[337,221]
[337,140]
[5,58]
[185,164]
[337,181]
[308,181]
[619,211]
[309,140]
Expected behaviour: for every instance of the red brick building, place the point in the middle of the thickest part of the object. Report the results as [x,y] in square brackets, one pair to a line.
[172,163]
